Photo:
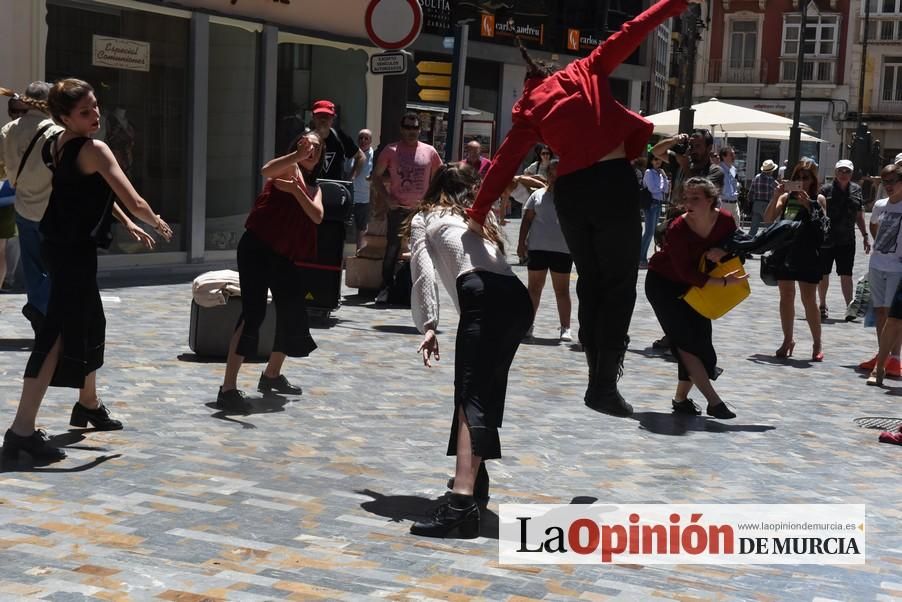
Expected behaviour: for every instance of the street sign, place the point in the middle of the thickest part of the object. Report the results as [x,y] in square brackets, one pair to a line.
[439,67]
[393,24]
[388,63]
[435,95]
[434,81]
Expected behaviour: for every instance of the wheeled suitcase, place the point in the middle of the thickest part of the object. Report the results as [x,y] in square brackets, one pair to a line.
[211,328]
[322,274]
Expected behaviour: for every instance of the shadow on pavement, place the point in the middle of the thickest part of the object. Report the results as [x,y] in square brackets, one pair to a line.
[395,329]
[770,360]
[16,344]
[413,507]
[654,352]
[541,342]
[662,423]
[267,404]
[64,440]
[361,298]
[209,359]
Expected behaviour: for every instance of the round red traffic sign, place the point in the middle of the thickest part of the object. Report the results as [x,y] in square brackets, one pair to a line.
[393,24]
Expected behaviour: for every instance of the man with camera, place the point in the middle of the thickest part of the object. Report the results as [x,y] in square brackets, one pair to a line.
[689,155]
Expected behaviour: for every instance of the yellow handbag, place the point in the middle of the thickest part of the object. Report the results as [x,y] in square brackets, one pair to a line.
[714,299]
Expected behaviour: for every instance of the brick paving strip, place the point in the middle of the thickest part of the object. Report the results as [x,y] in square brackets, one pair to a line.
[311,498]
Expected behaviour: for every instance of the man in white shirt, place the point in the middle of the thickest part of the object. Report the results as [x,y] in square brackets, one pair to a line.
[33,187]
[729,192]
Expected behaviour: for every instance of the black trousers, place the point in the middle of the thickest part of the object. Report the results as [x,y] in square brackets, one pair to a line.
[395,219]
[495,312]
[259,269]
[74,314]
[598,208]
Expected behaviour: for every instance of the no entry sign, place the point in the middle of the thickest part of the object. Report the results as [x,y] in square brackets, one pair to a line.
[393,24]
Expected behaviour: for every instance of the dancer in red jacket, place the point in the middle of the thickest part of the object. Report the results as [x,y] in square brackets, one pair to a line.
[575,113]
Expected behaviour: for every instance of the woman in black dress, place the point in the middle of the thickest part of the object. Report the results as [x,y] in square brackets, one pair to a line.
[800,261]
[68,349]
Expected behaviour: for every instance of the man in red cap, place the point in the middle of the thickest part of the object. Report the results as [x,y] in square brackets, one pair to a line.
[338,145]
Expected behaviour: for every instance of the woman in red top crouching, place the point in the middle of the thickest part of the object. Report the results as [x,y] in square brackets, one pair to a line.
[596,195]
[671,272]
[280,230]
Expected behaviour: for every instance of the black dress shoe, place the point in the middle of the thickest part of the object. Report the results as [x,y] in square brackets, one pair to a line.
[99,418]
[278,384]
[686,406]
[721,411]
[480,488]
[610,402]
[234,401]
[460,514]
[36,444]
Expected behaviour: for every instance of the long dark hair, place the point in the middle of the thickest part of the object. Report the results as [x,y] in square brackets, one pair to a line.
[453,190]
[811,167]
[535,68]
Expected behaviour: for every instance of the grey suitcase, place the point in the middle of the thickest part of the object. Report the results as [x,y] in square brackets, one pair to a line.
[211,328]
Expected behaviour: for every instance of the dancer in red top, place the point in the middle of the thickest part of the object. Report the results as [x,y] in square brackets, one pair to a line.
[575,113]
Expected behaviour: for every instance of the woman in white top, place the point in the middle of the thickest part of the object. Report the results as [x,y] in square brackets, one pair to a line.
[495,312]
[656,182]
[539,167]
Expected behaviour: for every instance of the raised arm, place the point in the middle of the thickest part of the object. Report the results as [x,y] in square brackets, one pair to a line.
[623,43]
[518,142]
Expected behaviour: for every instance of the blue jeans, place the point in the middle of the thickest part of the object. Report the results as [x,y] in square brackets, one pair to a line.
[37,282]
[648,234]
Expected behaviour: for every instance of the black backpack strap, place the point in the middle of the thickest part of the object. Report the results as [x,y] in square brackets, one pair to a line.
[28,151]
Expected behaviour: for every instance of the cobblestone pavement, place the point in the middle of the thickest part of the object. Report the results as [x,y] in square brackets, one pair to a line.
[312,496]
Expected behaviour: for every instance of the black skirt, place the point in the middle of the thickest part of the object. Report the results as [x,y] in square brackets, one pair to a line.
[685,328]
[74,314]
[495,312]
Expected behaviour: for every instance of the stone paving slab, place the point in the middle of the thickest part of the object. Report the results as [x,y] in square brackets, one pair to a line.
[311,497]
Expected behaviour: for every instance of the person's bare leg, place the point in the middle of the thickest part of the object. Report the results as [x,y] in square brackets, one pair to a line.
[535,284]
[87,395]
[787,311]
[561,285]
[467,463]
[822,287]
[845,283]
[33,391]
[682,390]
[274,366]
[699,377]
[890,339]
[233,363]
[808,293]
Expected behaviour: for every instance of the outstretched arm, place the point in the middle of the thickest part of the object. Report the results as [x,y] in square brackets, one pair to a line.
[518,142]
[619,46]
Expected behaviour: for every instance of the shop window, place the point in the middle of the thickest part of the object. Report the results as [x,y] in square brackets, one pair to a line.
[144,106]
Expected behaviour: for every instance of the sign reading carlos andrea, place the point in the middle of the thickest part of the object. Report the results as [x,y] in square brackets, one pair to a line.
[682,534]
[121,54]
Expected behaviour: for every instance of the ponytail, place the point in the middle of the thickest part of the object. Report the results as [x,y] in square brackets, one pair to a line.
[33,103]
[535,68]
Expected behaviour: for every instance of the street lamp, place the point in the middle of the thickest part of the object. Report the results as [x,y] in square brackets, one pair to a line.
[795,132]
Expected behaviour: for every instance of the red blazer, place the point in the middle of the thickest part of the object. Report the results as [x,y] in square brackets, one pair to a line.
[574,112]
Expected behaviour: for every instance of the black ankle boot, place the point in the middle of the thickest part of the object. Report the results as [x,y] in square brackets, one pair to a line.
[604,396]
[99,418]
[591,360]
[460,513]
[37,445]
[480,488]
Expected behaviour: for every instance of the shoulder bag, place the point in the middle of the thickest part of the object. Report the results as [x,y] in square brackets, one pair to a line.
[714,299]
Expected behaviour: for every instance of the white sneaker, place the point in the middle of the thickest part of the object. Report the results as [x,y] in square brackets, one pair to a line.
[566,337]
[382,297]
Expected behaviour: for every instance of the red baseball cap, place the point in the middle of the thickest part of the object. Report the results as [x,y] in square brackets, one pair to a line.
[324,106]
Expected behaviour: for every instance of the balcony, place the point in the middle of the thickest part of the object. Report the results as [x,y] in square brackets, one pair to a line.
[736,72]
[886,107]
[814,71]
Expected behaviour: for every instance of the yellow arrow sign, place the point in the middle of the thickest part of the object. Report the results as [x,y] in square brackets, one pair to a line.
[434,81]
[438,67]
[435,95]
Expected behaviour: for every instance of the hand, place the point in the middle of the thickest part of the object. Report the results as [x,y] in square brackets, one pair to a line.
[867,246]
[140,235]
[429,347]
[780,190]
[163,229]
[521,251]
[803,197]
[476,227]
[735,277]
[715,255]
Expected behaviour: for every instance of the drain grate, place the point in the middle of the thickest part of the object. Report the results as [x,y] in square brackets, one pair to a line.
[883,424]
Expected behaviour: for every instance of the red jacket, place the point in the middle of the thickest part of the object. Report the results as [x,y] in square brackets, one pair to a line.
[574,112]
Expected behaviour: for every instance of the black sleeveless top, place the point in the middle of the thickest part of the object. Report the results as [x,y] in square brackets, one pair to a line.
[81,206]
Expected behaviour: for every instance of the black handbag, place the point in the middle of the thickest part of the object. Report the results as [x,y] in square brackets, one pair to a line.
[769,269]
[645,199]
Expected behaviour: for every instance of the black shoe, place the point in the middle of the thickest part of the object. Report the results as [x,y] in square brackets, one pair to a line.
[99,418]
[687,406]
[34,316]
[662,343]
[460,514]
[480,488]
[721,411]
[36,444]
[278,384]
[609,402]
[234,400]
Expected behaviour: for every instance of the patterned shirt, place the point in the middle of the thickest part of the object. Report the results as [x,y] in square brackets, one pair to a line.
[762,189]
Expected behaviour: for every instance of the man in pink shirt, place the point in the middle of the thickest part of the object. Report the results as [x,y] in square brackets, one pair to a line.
[410,165]
[473,157]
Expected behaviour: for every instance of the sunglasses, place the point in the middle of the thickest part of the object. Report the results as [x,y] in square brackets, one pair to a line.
[545,154]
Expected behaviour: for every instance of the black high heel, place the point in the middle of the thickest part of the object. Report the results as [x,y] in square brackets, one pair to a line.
[37,445]
[480,487]
[99,418]
[460,514]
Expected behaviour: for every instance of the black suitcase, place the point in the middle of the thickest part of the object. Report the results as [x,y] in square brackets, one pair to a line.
[322,275]
[211,328]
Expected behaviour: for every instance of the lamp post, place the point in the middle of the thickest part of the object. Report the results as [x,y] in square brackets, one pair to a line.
[795,132]
[861,142]
[689,44]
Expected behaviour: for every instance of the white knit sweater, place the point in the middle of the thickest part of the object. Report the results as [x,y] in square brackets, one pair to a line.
[441,241]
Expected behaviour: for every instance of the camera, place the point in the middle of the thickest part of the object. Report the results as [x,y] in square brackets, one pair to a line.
[792,186]
[680,149]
